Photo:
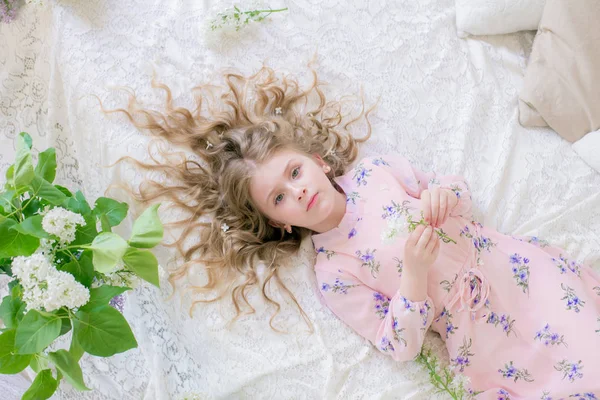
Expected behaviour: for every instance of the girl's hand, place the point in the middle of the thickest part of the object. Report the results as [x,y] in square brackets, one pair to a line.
[437,204]
[421,249]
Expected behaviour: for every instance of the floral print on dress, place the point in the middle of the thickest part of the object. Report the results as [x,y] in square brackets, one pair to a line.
[386,345]
[450,328]
[565,265]
[447,285]
[382,304]
[380,161]
[570,370]
[597,290]
[368,260]
[584,396]
[361,174]
[337,287]
[396,210]
[352,233]
[573,302]
[328,253]
[511,372]
[503,320]
[398,332]
[424,311]
[352,197]
[399,266]
[520,270]
[549,338]
[598,321]
[462,359]
[480,242]
[503,395]
[408,305]
[457,190]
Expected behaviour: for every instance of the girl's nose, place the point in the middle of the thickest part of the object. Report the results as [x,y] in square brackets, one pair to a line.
[301,193]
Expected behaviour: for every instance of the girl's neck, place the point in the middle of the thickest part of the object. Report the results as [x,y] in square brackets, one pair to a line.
[339,210]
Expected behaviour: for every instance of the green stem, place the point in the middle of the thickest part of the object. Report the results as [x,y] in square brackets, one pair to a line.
[263,11]
[437,378]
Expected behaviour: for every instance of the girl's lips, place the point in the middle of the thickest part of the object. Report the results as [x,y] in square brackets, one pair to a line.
[312,201]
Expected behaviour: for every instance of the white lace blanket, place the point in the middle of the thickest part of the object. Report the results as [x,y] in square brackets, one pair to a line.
[448,104]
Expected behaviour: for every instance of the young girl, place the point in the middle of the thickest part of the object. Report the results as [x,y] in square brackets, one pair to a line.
[398,251]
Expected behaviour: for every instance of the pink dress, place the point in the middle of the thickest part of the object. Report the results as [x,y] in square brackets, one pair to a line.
[518,317]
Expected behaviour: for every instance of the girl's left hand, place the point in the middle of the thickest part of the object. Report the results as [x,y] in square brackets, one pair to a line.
[437,205]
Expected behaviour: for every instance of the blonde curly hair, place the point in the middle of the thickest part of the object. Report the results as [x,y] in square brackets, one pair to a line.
[254,117]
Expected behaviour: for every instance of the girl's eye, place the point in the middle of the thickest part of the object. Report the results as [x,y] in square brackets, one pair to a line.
[278,199]
[295,173]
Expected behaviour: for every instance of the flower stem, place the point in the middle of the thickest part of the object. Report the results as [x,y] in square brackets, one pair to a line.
[263,11]
[435,377]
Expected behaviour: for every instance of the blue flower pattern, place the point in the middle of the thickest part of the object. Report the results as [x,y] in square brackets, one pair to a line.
[382,304]
[520,270]
[570,370]
[337,287]
[519,267]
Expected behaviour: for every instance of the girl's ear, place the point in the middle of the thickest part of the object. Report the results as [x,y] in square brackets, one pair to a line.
[319,160]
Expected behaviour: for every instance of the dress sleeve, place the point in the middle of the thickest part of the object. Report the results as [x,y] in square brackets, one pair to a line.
[396,326]
[414,181]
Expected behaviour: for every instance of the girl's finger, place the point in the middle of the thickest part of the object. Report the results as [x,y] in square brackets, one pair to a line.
[426,199]
[415,235]
[443,209]
[435,206]
[432,241]
[424,239]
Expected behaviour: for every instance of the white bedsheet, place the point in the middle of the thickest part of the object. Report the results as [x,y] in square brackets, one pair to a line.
[449,105]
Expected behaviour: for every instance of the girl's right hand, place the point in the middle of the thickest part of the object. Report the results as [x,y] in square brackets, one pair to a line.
[421,249]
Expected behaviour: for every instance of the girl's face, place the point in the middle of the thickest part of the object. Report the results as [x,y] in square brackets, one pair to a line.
[292,189]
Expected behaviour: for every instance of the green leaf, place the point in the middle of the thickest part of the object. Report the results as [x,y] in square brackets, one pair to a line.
[23,170]
[85,234]
[11,363]
[108,249]
[69,367]
[143,263]
[12,308]
[43,387]
[47,191]
[32,207]
[27,139]
[147,230]
[36,331]
[78,204]
[82,269]
[38,363]
[46,166]
[6,198]
[75,349]
[65,322]
[64,190]
[10,174]
[105,224]
[101,296]
[114,211]
[103,332]
[14,243]
[32,226]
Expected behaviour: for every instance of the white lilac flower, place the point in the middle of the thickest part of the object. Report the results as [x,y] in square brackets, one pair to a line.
[460,381]
[396,227]
[44,287]
[62,223]
[119,276]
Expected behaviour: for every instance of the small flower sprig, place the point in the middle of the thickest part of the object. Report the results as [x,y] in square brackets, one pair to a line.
[400,221]
[443,379]
[237,19]
[412,225]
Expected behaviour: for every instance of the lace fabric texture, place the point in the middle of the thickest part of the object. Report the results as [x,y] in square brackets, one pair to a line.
[447,104]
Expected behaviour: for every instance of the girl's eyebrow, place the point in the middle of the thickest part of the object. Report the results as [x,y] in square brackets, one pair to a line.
[287,167]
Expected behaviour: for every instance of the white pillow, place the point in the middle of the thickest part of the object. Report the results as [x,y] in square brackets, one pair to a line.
[494,17]
[588,148]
